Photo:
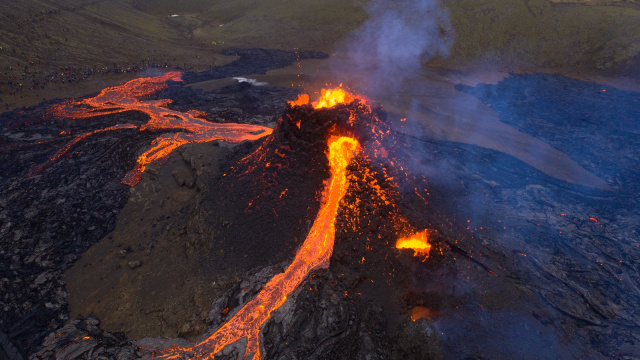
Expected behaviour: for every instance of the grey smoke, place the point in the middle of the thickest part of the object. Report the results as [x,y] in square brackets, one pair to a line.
[393,44]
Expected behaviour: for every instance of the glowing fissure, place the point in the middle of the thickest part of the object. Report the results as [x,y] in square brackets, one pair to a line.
[131,96]
[313,254]
[417,242]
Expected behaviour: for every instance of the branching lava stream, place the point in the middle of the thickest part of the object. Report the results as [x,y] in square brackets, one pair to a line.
[131,96]
[313,254]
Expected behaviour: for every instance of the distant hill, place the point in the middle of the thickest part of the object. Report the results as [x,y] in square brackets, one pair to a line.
[57,41]
[282,24]
[589,34]
[592,34]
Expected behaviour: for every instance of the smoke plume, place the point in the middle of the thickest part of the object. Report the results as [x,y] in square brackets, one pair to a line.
[393,44]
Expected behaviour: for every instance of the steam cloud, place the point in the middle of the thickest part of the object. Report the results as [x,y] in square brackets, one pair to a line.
[384,59]
[393,43]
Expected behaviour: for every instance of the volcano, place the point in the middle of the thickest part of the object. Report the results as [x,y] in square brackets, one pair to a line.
[338,140]
[336,125]
[325,229]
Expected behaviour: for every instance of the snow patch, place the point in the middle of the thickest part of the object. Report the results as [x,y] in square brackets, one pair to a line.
[253,82]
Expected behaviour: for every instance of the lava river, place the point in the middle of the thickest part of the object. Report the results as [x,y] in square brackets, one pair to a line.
[313,254]
[133,95]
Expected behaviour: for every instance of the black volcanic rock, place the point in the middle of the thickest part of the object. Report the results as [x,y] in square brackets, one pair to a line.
[83,339]
[48,220]
[262,206]
[253,61]
[522,265]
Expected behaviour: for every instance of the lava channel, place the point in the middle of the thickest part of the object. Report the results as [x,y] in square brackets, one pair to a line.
[314,253]
[133,96]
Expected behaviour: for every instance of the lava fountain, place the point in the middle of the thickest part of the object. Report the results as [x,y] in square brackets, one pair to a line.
[313,254]
[133,95]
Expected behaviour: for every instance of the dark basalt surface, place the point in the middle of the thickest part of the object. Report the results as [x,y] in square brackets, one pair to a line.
[253,61]
[518,269]
[575,249]
[48,220]
[598,126]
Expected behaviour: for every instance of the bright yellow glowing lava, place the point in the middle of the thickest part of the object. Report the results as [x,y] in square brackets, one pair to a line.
[418,242]
[313,254]
[333,97]
[133,96]
[328,98]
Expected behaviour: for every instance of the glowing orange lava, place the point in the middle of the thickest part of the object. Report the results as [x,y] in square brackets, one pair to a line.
[421,312]
[328,98]
[302,99]
[132,96]
[313,254]
[333,97]
[417,242]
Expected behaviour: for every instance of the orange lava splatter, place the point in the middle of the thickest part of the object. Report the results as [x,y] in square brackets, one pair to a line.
[328,98]
[132,96]
[313,254]
[417,242]
[302,99]
[333,97]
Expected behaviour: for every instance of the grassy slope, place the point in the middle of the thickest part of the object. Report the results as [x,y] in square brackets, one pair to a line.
[286,24]
[530,33]
[80,32]
[508,33]
[591,34]
[85,33]
[103,31]
[541,33]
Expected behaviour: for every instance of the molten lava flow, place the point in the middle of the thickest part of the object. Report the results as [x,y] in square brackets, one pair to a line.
[313,254]
[417,242]
[63,150]
[132,96]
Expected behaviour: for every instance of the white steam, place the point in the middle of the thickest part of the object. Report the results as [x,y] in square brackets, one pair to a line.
[253,82]
[394,43]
